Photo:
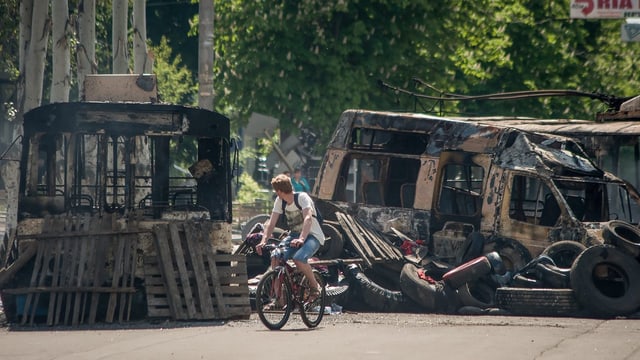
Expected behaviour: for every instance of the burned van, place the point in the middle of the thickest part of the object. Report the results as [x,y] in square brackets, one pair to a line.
[123,209]
[440,180]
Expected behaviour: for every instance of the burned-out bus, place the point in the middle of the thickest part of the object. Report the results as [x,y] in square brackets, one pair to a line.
[117,200]
[440,179]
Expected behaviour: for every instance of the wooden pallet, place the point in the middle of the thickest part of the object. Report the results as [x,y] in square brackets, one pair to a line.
[70,274]
[187,281]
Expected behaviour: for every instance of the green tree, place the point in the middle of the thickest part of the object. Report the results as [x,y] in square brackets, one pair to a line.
[175,81]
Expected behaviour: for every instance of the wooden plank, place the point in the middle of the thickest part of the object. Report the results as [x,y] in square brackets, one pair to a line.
[183,273]
[83,250]
[70,278]
[55,281]
[166,266]
[117,272]
[98,275]
[68,289]
[390,251]
[215,279]
[352,237]
[195,238]
[34,281]
[128,278]
[360,237]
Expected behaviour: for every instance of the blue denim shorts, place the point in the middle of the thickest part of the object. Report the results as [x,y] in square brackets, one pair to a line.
[302,254]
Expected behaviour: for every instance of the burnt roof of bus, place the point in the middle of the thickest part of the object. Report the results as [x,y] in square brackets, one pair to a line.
[567,127]
[513,147]
[126,119]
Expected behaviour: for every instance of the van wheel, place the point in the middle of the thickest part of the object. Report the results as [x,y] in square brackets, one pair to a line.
[513,254]
[564,252]
[606,281]
[333,244]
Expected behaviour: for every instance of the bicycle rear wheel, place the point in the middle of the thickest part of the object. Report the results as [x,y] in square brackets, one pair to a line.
[312,312]
[273,306]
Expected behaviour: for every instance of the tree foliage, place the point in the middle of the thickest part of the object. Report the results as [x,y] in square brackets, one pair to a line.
[306,61]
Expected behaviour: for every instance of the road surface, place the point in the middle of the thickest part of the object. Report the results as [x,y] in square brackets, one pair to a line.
[345,336]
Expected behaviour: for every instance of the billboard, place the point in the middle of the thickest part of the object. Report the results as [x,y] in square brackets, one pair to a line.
[604,9]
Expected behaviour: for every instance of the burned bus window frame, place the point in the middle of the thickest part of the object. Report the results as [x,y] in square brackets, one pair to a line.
[453,192]
[111,177]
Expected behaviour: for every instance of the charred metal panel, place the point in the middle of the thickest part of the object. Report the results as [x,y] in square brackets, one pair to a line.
[425,183]
[328,174]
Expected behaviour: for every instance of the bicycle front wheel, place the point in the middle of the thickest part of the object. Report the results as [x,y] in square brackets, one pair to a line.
[273,299]
[312,311]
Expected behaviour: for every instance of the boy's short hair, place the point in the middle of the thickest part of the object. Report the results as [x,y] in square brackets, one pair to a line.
[283,183]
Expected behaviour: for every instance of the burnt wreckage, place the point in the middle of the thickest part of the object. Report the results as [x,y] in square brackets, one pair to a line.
[112,227]
[486,215]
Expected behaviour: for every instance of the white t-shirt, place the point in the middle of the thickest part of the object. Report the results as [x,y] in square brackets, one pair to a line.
[294,215]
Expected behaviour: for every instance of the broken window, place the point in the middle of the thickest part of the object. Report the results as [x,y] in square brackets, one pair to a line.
[389,141]
[532,201]
[461,189]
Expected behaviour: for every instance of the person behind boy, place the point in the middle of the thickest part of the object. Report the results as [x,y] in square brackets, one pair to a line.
[300,184]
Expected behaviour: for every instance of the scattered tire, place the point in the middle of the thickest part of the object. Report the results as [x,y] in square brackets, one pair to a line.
[553,276]
[472,247]
[623,235]
[564,252]
[477,294]
[262,218]
[467,272]
[333,245]
[431,297]
[538,302]
[376,297]
[513,254]
[497,265]
[606,281]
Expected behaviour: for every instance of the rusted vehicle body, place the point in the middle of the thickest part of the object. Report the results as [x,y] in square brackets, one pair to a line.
[439,180]
[113,196]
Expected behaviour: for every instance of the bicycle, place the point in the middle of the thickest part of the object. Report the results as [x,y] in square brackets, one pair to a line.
[284,288]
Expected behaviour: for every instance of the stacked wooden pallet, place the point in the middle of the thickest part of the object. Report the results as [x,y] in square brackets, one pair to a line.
[188,281]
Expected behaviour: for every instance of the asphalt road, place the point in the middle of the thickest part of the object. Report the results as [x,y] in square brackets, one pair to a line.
[345,336]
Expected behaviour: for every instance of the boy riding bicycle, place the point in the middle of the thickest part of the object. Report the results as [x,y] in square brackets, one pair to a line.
[305,236]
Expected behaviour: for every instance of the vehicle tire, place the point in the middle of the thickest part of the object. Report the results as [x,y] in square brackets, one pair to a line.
[312,313]
[552,276]
[248,226]
[564,252]
[472,247]
[513,254]
[478,294]
[378,298]
[623,235]
[338,293]
[497,265]
[333,244]
[467,272]
[273,318]
[431,297]
[537,302]
[606,281]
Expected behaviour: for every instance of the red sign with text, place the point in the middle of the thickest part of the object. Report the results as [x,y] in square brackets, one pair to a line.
[604,9]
